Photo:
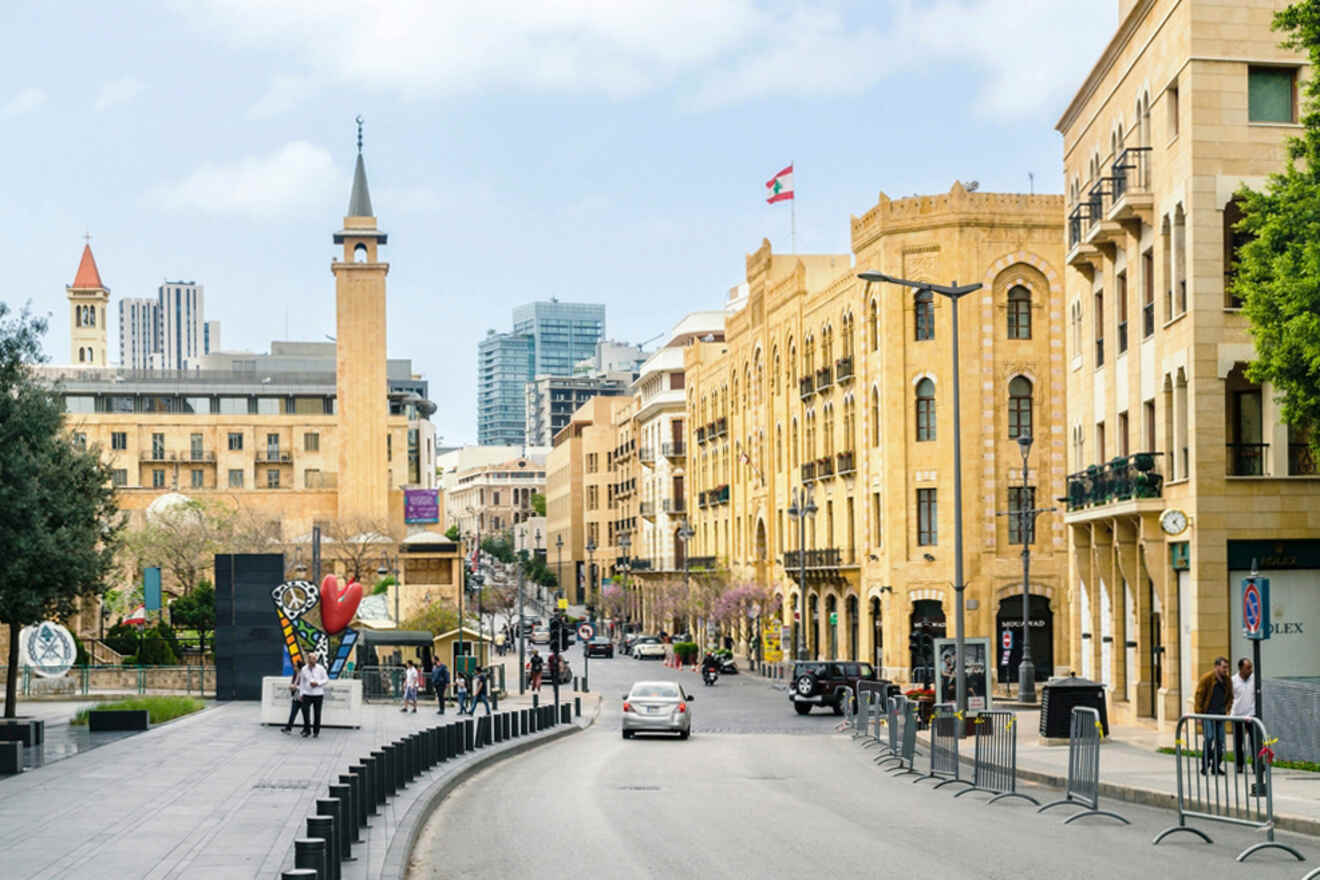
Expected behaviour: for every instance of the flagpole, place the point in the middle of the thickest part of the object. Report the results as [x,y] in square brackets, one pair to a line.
[792,209]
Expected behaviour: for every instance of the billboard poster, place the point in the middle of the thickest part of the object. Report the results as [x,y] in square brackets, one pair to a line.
[421,505]
[976,665]
[771,647]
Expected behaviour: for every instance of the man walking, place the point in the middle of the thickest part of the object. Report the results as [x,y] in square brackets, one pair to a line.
[479,693]
[1214,696]
[536,664]
[311,685]
[440,681]
[1244,705]
[411,680]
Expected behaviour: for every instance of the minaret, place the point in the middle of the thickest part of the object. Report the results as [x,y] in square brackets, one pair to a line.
[362,388]
[88,298]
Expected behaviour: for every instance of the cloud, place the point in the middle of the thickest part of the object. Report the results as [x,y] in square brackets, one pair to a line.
[1015,54]
[118,91]
[285,93]
[27,100]
[296,175]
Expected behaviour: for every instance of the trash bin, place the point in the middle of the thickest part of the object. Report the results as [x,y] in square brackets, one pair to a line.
[1060,696]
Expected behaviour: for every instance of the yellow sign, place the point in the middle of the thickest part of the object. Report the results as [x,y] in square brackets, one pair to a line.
[563,604]
[771,650]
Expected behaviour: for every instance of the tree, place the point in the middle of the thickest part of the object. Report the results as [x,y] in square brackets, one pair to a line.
[538,503]
[435,618]
[196,611]
[59,524]
[360,545]
[182,540]
[1277,274]
[452,533]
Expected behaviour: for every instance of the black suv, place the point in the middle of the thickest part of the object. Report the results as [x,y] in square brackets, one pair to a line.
[825,683]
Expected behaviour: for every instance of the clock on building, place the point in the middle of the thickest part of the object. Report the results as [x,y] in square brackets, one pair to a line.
[1173,521]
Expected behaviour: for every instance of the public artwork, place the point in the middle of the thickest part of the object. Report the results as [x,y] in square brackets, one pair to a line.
[309,615]
[47,649]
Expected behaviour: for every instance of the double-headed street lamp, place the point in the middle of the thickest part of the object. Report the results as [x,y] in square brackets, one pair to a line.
[625,542]
[685,534]
[591,577]
[953,293]
[559,575]
[1027,512]
[801,508]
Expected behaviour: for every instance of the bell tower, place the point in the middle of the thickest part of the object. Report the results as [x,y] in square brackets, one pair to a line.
[361,384]
[88,299]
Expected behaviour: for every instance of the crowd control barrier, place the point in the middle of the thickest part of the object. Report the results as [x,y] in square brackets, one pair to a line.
[1237,795]
[945,722]
[1084,768]
[872,703]
[994,767]
[849,706]
[904,736]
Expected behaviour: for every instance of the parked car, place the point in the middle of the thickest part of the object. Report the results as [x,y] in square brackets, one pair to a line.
[648,648]
[541,635]
[565,671]
[628,641]
[657,707]
[825,683]
[600,646]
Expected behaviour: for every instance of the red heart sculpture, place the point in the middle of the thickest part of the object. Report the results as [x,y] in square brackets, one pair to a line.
[338,604]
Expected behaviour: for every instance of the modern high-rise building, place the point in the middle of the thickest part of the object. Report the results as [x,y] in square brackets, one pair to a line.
[138,332]
[210,337]
[562,333]
[181,320]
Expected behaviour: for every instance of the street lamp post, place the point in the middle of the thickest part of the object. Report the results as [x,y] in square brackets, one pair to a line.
[801,508]
[953,293]
[591,578]
[625,543]
[559,575]
[1027,513]
[685,532]
[522,685]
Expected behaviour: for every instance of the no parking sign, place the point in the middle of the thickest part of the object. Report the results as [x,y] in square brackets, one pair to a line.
[1256,607]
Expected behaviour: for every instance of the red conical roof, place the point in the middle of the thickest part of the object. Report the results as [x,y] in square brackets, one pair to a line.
[88,278]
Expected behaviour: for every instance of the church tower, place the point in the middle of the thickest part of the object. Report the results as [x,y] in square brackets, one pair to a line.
[362,387]
[88,298]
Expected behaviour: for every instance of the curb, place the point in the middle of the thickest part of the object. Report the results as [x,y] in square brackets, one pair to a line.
[400,849]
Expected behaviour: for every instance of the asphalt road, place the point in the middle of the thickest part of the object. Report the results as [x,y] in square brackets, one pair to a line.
[759,791]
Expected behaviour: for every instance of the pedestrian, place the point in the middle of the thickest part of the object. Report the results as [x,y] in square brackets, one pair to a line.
[553,667]
[440,681]
[1245,741]
[1214,696]
[536,664]
[411,679]
[480,693]
[461,691]
[294,702]
[499,643]
[311,686]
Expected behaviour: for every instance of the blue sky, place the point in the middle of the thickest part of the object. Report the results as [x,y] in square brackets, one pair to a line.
[596,151]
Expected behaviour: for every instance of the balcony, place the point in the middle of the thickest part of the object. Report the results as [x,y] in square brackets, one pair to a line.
[1301,463]
[721,427]
[1122,479]
[808,471]
[846,463]
[647,509]
[706,562]
[818,564]
[806,387]
[824,378]
[1130,175]
[676,449]
[710,432]
[675,505]
[824,467]
[702,500]
[1081,255]
[1100,352]
[156,455]
[1099,229]
[199,457]
[1247,459]
[274,456]
[843,369]
[646,455]
[701,436]
[720,494]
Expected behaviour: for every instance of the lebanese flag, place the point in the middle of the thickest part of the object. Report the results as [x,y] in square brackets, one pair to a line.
[780,186]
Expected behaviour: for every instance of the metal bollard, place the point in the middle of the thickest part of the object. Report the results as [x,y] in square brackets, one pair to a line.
[536,700]
[497,726]
[469,735]
[348,821]
[522,722]
[355,782]
[390,779]
[324,828]
[374,793]
[379,779]
[494,701]
[415,745]
[309,854]
[566,714]
[300,873]
[577,707]
[334,808]
[575,682]
[366,797]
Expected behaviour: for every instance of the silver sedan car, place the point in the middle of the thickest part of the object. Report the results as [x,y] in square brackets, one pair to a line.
[657,707]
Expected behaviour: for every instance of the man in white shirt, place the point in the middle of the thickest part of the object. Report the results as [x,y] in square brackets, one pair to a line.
[1244,706]
[311,685]
[410,682]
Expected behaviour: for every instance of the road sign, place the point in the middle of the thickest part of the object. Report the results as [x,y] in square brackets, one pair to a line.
[1256,607]
[585,632]
[1007,640]
[563,605]
[834,618]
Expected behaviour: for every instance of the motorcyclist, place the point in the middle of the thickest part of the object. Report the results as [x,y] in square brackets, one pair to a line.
[710,662]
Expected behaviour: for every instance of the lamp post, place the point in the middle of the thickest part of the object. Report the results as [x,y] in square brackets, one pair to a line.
[391,567]
[536,554]
[801,508]
[591,577]
[1027,513]
[953,293]
[559,574]
[522,685]
[625,542]
[685,533]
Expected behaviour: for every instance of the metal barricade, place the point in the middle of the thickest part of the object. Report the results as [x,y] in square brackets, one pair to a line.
[872,701]
[944,736]
[1084,768]
[1242,794]
[849,706]
[994,767]
[903,736]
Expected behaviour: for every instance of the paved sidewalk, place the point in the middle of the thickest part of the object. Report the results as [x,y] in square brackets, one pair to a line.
[211,795]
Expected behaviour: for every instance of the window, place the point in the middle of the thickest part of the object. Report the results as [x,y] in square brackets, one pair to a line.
[195,450]
[925,410]
[157,447]
[1021,499]
[312,442]
[235,441]
[1148,417]
[875,326]
[1234,241]
[1147,294]
[1019,407]
[235,479]
[924,315]
[80,440]
[1099,328]
[273,445]
[273,478]
[119,477]
[1121,292]
[1100,442]
[118,439]
[1171,101]
[875,417]
[877,533]
[1019,313]
[158,478]
[1123,434]
[1271,94]
[198,481]
[312,478]
[927,518]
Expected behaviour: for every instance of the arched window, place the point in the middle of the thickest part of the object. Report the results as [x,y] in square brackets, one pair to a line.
[91,316]
[793,445]
[1019,407]
[925,410]
[875,417]
[82,355]
[924,315]
[360,253]
[1019,312]
[875,326]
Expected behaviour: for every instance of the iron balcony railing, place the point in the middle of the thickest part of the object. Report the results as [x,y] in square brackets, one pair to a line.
[720,494]
[646,455]
[1075,225]
[707,562]
[1247,459]
[676,449]
[806,387]
[1121,479]
[701,435]
[1131,171]
[274,456]
[1100,351]
[201,456]
[1122,336]
[647,509]
[825,467]
[1095,204]
[1301,463]
[702,500]
[828,558]
[808,471]
[824,378]
[845,462]
[721,426]
[843,369]
[675,505]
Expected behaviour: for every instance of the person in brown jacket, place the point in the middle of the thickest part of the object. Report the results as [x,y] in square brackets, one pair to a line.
[1214,696]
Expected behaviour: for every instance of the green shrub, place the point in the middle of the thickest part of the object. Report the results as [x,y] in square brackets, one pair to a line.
[82,658]
[686,652]
[159,709]
[122,638]
[155,651]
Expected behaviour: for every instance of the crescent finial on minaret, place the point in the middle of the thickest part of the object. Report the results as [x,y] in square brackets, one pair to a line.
[359,126]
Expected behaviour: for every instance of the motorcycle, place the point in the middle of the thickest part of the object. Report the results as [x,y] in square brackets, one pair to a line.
[728,666]
[709,675]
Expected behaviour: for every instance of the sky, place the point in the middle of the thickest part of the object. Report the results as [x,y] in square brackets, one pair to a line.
[593,150]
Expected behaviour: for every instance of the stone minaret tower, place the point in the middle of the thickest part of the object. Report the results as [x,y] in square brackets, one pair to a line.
[88,298]
[362,388]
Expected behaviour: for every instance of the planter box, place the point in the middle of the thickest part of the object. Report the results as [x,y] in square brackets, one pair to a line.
[11,757]
[27,731]
[103,720]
